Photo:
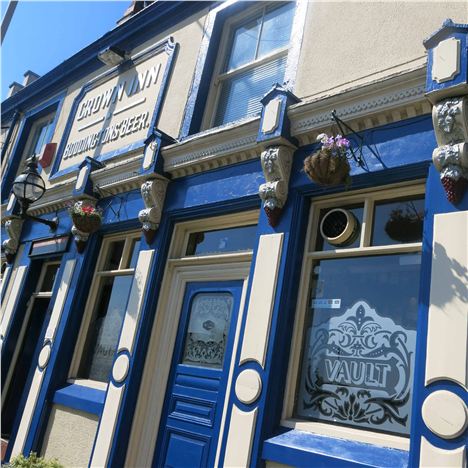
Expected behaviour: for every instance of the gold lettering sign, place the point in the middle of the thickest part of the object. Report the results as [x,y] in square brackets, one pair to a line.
[116,112]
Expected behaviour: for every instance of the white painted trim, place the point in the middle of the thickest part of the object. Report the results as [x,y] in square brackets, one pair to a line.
[431,456]
[447,336]
[115,394]
[262,298]
[240,437]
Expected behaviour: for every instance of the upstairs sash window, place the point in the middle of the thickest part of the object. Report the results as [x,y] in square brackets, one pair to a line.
[256,60]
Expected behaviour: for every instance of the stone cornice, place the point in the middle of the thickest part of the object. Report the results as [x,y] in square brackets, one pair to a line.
[218,147]
[379,103]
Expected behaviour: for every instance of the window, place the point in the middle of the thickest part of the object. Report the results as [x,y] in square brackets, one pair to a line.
[233,239]
[107,302]
[256,59]
[41,133]
[356,327]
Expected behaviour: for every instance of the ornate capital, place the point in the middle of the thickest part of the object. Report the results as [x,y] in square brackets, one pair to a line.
[450,119]
[276,164]
[153,192]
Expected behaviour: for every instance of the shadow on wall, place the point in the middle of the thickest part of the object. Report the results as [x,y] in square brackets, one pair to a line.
[451,278]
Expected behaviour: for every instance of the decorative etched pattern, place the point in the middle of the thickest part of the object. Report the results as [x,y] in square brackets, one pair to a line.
[358,371]
[208,328]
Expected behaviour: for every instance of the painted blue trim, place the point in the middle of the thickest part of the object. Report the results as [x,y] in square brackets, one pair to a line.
[303,449]
[52,105]
[207,55]
[165,46]
[81,398]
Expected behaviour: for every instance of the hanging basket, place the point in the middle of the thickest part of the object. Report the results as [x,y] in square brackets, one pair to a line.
[404,228]
[326,169]
[89,223]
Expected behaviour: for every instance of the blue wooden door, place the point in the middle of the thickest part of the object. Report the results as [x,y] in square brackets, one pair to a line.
[190,424]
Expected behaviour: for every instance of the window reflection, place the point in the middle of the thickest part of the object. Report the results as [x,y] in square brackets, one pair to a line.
[398,222]
[222,240]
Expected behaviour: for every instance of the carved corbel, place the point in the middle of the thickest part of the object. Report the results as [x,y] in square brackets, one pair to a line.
[153,192]
[13,228]
[450,119]
[276,164]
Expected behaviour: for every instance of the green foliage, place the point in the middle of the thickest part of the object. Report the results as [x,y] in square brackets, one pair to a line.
[33,461]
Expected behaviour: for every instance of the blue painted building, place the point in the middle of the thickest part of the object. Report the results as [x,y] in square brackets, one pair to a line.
[261,249]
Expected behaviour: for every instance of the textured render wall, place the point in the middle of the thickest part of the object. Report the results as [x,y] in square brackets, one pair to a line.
[348,44]
[70,436]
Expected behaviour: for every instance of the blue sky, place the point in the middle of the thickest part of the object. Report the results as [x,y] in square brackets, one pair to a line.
[44,34]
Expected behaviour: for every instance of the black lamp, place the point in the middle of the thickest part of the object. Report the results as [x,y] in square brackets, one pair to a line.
[29,187]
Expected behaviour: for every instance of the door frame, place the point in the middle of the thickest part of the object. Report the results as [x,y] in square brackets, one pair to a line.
[153,389]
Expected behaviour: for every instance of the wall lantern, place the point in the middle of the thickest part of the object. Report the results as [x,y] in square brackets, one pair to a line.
[29,187]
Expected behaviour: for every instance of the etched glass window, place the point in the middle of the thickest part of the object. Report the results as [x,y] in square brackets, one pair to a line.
[207,331]
[360,342]
[359,327]
[108,297]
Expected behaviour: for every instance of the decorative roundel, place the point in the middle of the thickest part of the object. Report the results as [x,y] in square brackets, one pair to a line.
[339,227]
[445,414]
[120,369]
[248,386]
[44,355]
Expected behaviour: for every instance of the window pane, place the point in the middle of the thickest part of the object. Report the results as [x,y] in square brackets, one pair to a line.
[244,44]
[276,29]
[360,334]
[398,222]
[222,241]
[114,255]
[205,341]
[240,96]
[49,278]
[322,244]
[104,331]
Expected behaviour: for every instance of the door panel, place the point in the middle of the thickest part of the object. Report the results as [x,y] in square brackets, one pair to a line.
[196,388]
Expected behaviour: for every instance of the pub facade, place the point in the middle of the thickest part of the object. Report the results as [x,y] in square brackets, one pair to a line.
[235,234]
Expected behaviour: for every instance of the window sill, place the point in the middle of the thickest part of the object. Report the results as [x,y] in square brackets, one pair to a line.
[89,400]
[300,448]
